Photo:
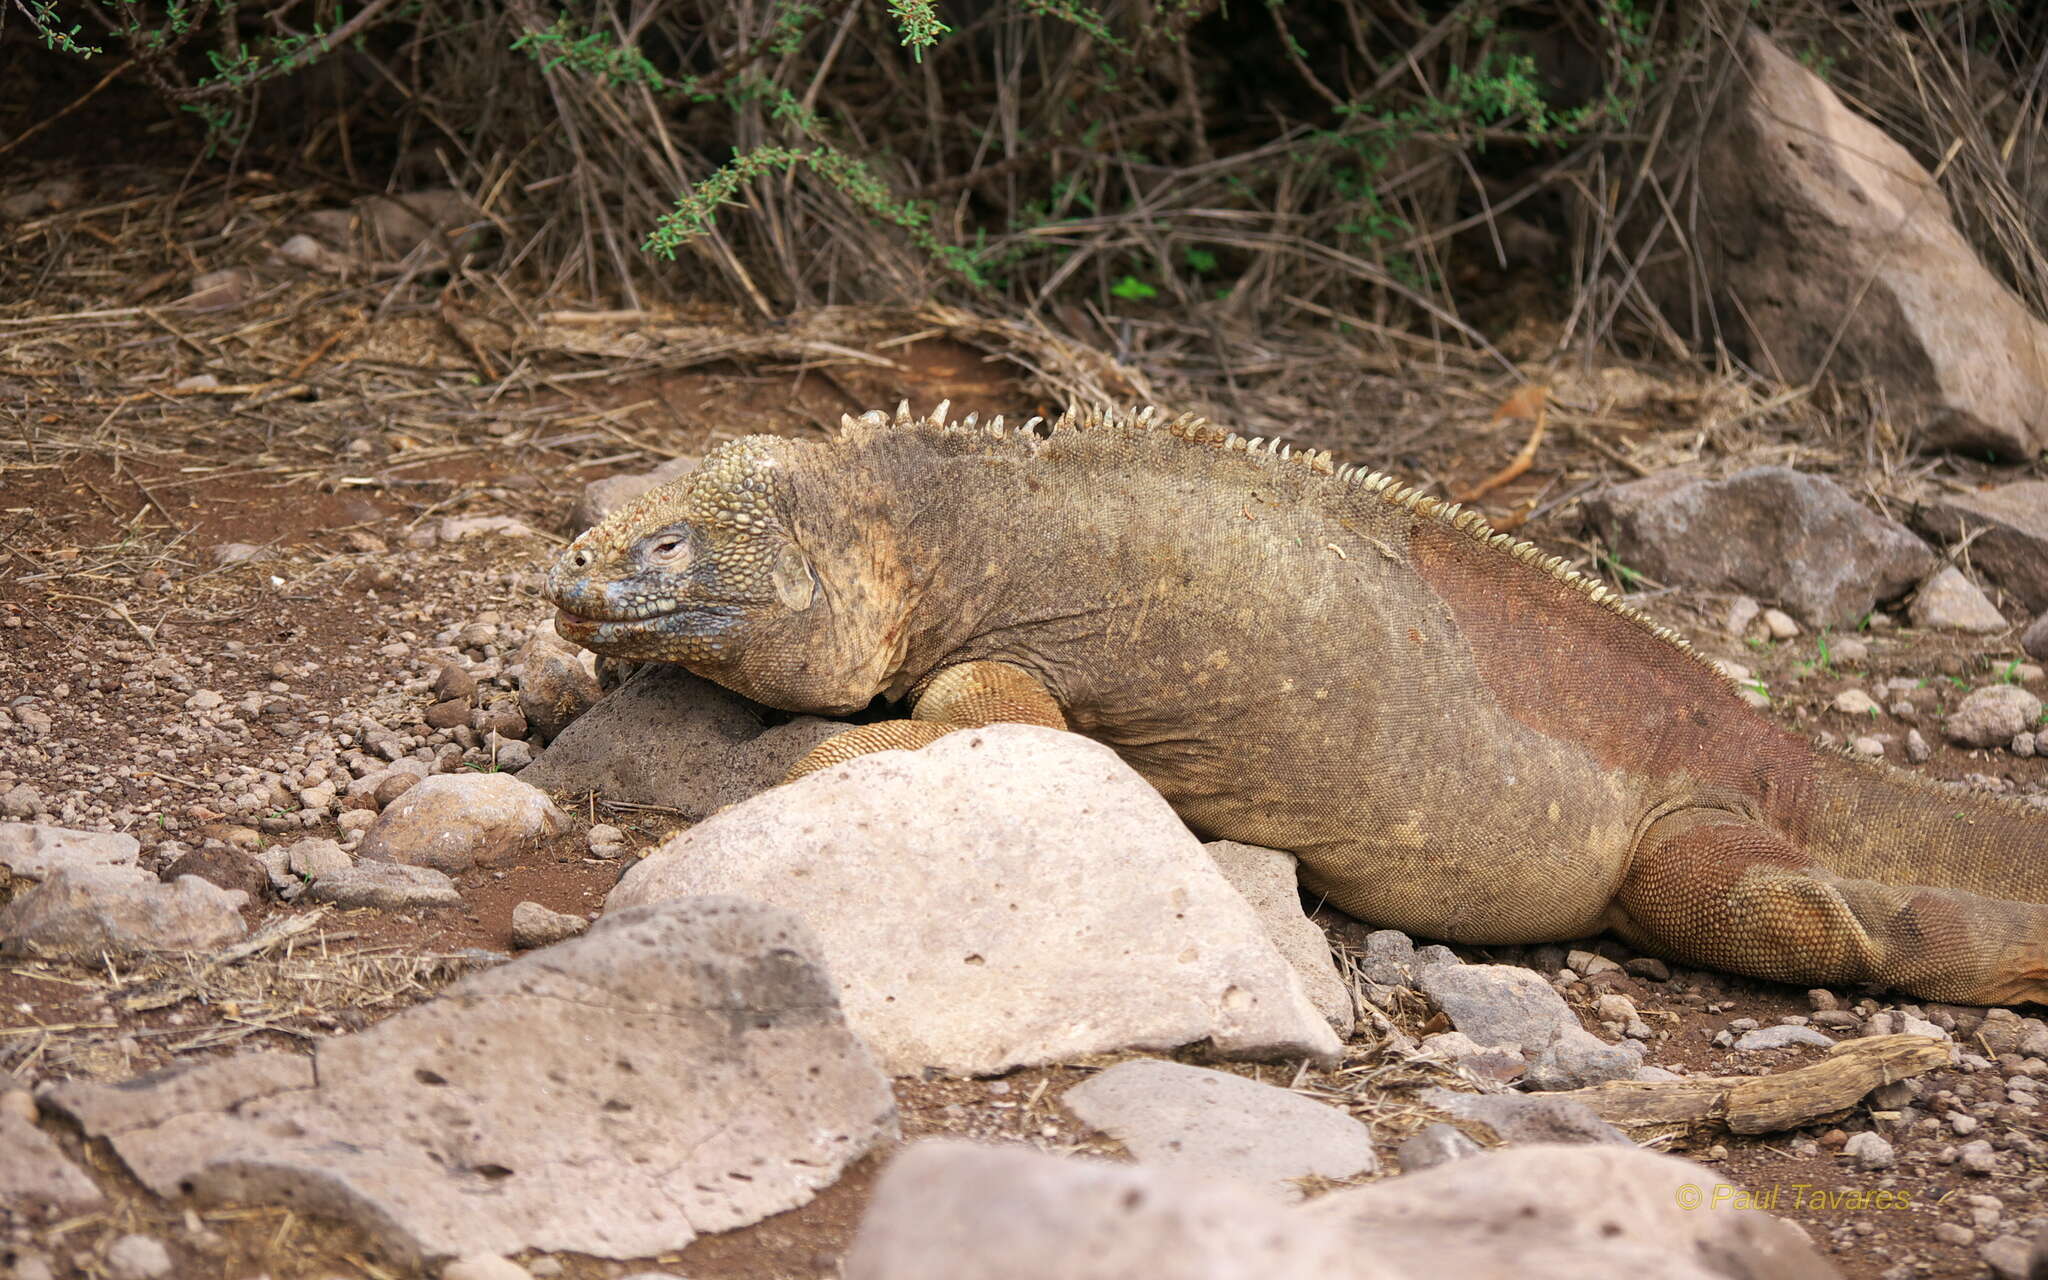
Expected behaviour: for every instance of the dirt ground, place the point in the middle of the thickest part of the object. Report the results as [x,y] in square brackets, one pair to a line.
[326,422]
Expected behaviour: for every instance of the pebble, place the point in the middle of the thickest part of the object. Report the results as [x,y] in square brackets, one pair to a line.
[1977,1158]
[1854,702]
[485,1266]
[138,1257]
[606,841]
[1870,1152]
[1868,747]
[1780,624]
[1648,968]
[2008,1258]
[1434,1145]
[22,801]
[534,925]
[1917,749]
[1782,1037]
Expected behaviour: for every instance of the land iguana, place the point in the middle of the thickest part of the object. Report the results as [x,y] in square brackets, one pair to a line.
[1458,735]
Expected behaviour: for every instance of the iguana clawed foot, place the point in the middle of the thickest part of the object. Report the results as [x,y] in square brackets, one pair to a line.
[967,696]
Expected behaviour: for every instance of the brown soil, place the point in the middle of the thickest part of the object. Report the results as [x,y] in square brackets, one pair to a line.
[113,492]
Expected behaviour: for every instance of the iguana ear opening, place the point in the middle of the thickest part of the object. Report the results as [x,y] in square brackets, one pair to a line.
[795,587]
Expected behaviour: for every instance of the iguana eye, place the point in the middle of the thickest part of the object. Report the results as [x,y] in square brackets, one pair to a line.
[669,548]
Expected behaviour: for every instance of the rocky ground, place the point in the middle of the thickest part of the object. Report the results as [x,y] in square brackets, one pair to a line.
[269,628]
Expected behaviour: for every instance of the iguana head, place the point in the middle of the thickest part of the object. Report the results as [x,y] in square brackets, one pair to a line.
[711,572]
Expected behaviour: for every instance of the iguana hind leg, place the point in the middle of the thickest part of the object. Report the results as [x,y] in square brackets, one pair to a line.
[1718,890]
[967,696]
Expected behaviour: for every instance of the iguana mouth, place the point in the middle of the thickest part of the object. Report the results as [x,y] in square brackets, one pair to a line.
[590,623]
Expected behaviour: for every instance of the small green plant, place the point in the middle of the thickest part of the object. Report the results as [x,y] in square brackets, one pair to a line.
[1132,289]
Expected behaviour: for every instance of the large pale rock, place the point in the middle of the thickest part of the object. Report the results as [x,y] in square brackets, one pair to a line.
[1771,532]
[36,1175]
[2011,527]
[602,497]
[32,852]
[1831,250]
[1004,897]
[454,821]
[1501,1004]
[948,1210]
[1211,1122]
[1268,880]
[677,1070]
[84,913]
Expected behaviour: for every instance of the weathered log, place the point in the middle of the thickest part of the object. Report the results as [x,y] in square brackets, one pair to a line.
[1767,1104]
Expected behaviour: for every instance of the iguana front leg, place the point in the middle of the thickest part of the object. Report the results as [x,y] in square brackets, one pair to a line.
[968,696]
[1719,890]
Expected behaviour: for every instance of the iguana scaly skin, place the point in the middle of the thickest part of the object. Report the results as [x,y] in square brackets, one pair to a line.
[1456,734]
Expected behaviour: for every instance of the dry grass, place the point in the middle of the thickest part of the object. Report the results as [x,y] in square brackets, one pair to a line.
[1300,188]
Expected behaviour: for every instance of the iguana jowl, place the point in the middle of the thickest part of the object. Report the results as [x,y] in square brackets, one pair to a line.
[1457,735]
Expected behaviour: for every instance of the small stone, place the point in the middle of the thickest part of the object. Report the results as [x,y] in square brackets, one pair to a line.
[1615,1007]
[485,1266]
[389,886]
[1854,702]
[138,1257]
[228,868]
[1850,651]
[452,822]
[1992,716]
[1962,1122]
[1434,1145]
[513,756]
[1780,624]
[606,841]
[1742,611]
[1820,998]
[1868,747]
[2009,1258]
[453,683]
[1954,1233]
[2025,745]
[2034,640]
[448,714]
[1648,968]
[1917,749]
[1948,601]
[1870,1152]
[1588,963]
[1977,1158]
[462,528]
[534,925]
[22,801]
[393,785]
[204,700]
[316,856]
[228,553]
[1782,1037]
